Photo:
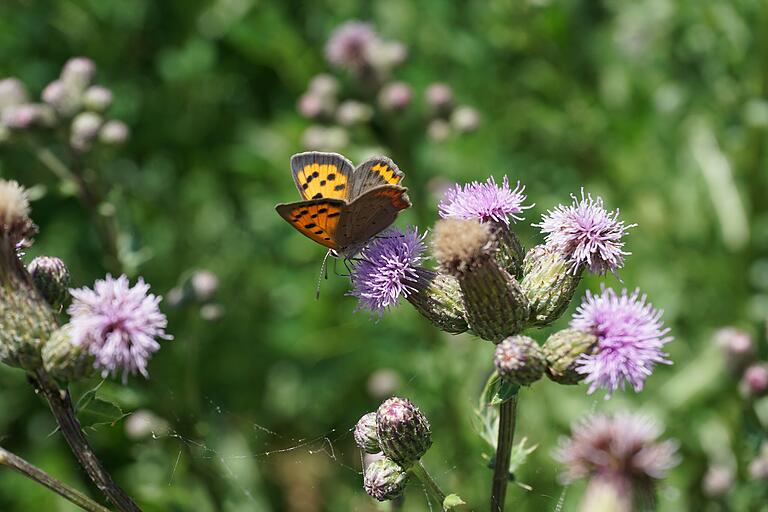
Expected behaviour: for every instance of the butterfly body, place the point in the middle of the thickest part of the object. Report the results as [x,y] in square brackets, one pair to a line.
[344,207]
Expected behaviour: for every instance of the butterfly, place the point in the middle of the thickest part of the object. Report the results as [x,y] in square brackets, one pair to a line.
[344,207]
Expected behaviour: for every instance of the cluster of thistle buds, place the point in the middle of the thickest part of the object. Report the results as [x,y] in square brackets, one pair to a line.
[398,435]
[72,102]
[112,329]
[741,359]
[487,284]
[356,48]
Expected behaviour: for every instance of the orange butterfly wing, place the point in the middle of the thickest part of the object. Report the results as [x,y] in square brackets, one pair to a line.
[317,219]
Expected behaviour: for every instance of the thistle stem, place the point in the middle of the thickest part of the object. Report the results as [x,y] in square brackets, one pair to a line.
[507,413]
[38,475]
[61,407]
[419,471]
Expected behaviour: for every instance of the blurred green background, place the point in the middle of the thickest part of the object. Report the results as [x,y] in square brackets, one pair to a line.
[659,106]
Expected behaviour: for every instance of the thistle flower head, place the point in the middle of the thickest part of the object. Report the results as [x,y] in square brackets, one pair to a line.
[387,270]
[118,324]
[487,202]
[586,234]
[630,336]
[458,244]
[626,446]
[14,214]
[349,44]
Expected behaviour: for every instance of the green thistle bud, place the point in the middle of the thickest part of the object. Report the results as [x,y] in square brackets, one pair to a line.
[562,350]
[404,432]
[26,321]
[438,298]
[519,360]
[64,360]
[384,479]
[495,304]
[510,251]
[548,283]
[365,434]
[51,278]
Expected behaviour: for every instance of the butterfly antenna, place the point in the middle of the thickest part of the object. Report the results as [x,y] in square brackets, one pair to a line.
[323,272]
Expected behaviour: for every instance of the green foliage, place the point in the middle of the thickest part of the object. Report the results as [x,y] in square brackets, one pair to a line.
[660,107]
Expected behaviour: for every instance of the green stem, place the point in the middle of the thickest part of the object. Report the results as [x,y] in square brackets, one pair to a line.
[507,413]
[419,471]
[38,475]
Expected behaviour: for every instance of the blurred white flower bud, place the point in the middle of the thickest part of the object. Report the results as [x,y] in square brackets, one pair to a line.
[63,99]
[384,56]
[395,96]
[12,92]
[211,312]
[144,423]
[717,481]
[204,285]
[78,72]
[465,119]
[113,133]
[353,112]
[28,115]
[97,98]
[439,97]
[737,346]
[324,85]
[312,106]
[438,130]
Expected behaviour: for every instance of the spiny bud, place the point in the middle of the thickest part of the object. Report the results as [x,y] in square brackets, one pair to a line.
[64,360]
[366,437]
[51,278]
[438,298]
[562,350]
[548,283]
[519,360]
[495,305]
[384,479]
[404,432]
[510,252]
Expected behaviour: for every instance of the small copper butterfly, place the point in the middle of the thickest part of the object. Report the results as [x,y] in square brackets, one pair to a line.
[344,207]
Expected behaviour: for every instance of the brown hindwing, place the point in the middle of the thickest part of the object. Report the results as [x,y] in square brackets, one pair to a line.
[370,214]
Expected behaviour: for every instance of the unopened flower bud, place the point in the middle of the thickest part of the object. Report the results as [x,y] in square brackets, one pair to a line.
[754,382]
[352,112]
[495,305]
[143,424]
[12,92]
[465,119]
[384,56]
[311,106]
[78,72]
[737,347]
[758,468]
[64,100]
[97,98]
[28,115]
[113,133]
[384,479]
[64,360]
[562,351]
[403,430]
[86,125]
[438,298]
[519,360]
[204,285]
[717,481]
[548,284]
[211,312]
[324,85]
[366,437]
[51,278]
[438,130]
[395,96]
[439,97]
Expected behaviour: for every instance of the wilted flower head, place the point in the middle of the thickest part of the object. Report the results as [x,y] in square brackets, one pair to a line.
[625,446]
[119,324]
[630,336]
[587,234]
[349,43]
[484,201]
[387,269]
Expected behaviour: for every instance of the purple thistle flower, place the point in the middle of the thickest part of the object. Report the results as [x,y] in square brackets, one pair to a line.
[484,201]
[118,324]
[630,337]
[349,44]
[623,447]
[387,269]
[586,234]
